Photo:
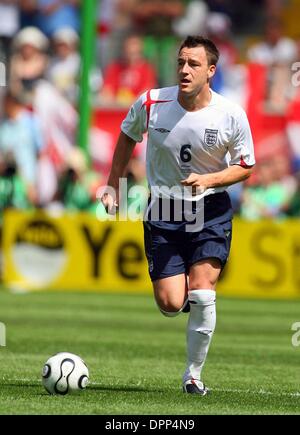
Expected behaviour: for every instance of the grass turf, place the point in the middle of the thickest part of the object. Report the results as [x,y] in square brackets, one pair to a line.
[136,356]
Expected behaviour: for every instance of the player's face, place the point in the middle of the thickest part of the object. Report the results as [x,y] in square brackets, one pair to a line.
[193,70]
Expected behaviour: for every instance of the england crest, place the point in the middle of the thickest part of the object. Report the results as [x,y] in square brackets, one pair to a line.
[210,137]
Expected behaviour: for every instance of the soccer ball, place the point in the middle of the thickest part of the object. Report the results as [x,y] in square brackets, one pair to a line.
[65,373]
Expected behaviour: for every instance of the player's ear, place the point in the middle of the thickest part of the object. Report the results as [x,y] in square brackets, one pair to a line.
[211,71]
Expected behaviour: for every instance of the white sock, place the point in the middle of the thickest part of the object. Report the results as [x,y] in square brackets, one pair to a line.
[200,328]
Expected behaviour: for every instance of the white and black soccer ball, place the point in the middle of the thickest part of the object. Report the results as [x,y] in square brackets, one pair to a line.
[65,373]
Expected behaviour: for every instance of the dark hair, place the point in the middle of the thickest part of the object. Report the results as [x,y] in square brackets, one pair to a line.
[211,50]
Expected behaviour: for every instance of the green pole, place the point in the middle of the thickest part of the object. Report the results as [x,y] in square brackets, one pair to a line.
[88,32]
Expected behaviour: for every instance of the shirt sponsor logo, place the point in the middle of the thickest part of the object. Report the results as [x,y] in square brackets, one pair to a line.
[210,137]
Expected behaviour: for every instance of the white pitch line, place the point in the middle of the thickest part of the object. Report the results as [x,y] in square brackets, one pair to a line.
[220,390]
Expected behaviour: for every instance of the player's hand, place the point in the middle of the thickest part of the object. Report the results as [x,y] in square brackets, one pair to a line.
[197,182]
[109,202]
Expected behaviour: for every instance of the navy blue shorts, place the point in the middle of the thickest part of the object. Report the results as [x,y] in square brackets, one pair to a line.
[172,253]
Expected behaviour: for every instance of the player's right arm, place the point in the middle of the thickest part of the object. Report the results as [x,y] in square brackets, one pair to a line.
[122,154]
[132,129]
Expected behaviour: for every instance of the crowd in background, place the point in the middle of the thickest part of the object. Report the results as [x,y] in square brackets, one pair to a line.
[41,164]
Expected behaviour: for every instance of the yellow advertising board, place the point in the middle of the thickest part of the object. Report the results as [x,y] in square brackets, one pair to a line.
[264,260]
[73,251]
[78,252]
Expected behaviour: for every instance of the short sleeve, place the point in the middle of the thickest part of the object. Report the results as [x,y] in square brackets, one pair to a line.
[135,125]
[241,147]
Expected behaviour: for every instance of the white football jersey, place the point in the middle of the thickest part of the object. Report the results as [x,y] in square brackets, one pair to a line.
[181,142]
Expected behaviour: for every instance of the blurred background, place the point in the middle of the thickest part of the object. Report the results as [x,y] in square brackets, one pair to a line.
[72,70]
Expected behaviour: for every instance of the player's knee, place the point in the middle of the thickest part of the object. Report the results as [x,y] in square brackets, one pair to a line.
[170,310]
[204,281]
[170,313]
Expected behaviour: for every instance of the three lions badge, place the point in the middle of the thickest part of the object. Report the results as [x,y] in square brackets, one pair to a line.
[210,137]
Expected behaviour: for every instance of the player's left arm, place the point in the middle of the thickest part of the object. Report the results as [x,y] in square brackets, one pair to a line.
[241,163]
[231,175]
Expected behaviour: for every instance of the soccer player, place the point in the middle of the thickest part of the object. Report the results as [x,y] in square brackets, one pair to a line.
[200,141]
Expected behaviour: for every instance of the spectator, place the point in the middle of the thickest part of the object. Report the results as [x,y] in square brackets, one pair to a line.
[276,53]
[193,21]
[282,173]
[64,67]
[20,143]
[58,122]
[154,20]
[155,17]
[275,48]
[9,25]
[107,13]
[52,15]
[28,13]
[127,78]
[218,27]
[77,185]
[246,16]
[293,129]
[29,62]
[271,197]
[223,6]
[294,205]
[231,75]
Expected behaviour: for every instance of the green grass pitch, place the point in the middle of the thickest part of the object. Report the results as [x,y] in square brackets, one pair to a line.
[136,356]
